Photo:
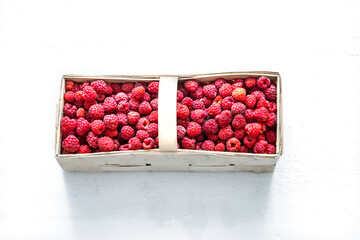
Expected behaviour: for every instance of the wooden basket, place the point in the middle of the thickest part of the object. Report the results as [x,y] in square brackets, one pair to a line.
[164,159]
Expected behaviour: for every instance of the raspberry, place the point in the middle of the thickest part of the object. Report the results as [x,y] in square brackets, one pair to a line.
[272,107]
[243,149]
[193,129]
[110,104]
[218,99]
[263,127]
[105,144]
[198,146]
[92,140]
[214,110]
[198,94]
[142,124]
[188,143]
[182,111]
[219,82]
[84,149]
[224,118]
[109,89]
[210,91]
[227,103]
[154,104]
[263,82]
[198,115]
[198,104]
[238,122]
[253,129]
[220,147]
[238,108]
[76,87]
[239,94]
[148,143]
[262,103]
[140,84]
[69,96]
[79,96]
[181,131]
[71,144]
[98,127]
[271,120]
[85,84]
[249,141]
[200,138]
[69,85]
[145,108]
[88,104]
[121,96]
[237,85]
[138,92]
[261,146]
[212,137]
[208,145]
[261,114]
[233,145]
[225,90]
[80,113]
[179,96]
[96,111]
[142,134]
[153,87]
[191,85]
[157,142]
[270,93]
[70,110]
[89,94]
[134,104]
[187,101]
[249,115]
[226,132]
[111,121]
[261,137]
[123,106]
[250,101]
[67,125]
[116,145]
[100,98]
[258,95]
[99,86]
[127,132]
[240,80]
[183,122]
[127,87]
[153,117]
[122,117]
[116,87]
[82,127]
[250,82]
[211,127]
[270,136]
[133,117]
[124,147]
[240,133]
[271,149]
[134,144]
[152,130]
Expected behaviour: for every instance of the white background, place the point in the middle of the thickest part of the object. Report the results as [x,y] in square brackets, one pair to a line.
[314,192]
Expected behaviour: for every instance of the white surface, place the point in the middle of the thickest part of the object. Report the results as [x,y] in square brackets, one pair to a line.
[314,192]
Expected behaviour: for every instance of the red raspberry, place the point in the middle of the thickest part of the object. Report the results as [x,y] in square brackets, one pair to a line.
[225,90]
[145,108]
[157,142]
[181,131]
[109,89]
[258,95]
[212,137]
[198,104]
[127,87]
[198,115]
[224,118]
[64,135]
[210,91]
[154,104]
[121,96]
[89,94]
[142,124]
[249,141]
[80,113]
[116,145]
[198,94]
[124,147]
[71,144]
[123,106]
[112,133]
[250,82]
[239,94]
[263,82]
[92,140]
[214,110]
[70,110]
[183,122]
[82,127]
[238,122]
[243,149]
[85,84]
[96,111]
[88,104]
[253,129]
[193,129]
[140,84]
[152,130]
[250,101]
[237,85]
[261,146]
[69,96]
[111,121]
[220,147]
[148,143]
[219,82]
[153,87]
[153,117]
[272,107]
[263,127]
[227,103]
[69,85]
[226,132]
[100,98]
[262,103]
[271,120]
[106,144]
[182,111]
[138,92]
[271,149]
[198,146]
[249,115]
[191,85]
[261,137]
[187,102]
[134,104]
[67,125]
[207,101]
[188,143]
[116,87]
[79,96]
[180,96]
[123,120]
[270,93]
[238,108]
[233,145]
[208,145]
[261,114]
[240,133]
[110,104]
[98,127]
[127,132]
[211,127]
[99,86]
[240,80]
[133,117]
[142,134]
[84,149]
[218,100]
[270,136]
[76,87]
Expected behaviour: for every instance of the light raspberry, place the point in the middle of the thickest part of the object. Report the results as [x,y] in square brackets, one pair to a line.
[210,91]
[92,140]
[238,108]
[96,111]
[133,117]
[193,129]
[238,122]
[148,143]
[152,130]
[142,135]
[208,145]
[127,132]
[226,132]
[263,82]
[225,90]
[67,125]
[239,94]
[191,85]
[82,127]
[145,108]
[71,144]
[105,144]
[111,121]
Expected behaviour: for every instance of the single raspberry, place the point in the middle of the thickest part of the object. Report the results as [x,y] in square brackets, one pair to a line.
[271,149]
[238,122]
[121,96]
[148,143]
[82,127]
[71,144]
[198,94]
[106,144]
[99,86]
[123,106]
[84,149]
[96,111]
[253,129]
[88,104]
[218,99]
[210,91]
[237,85]
[127,132]
[261,137]
[198,146]
[80,113]
[211,127]
[76,87]
[123,120]
[263,127]
[79,96]
[212,137]
[219,82]
[261,114]
[112,133]
[250,101]
[249,115]
[92,140]
[89,94]
[85,84]
[98,127]
[224,118]
[183,122]
[179,96]
[198,115]
[262,103]
[153,87]
[250,82]
[271,120]
[272,107]
[182,111]
[225,90]
[152,130]
[110,104]
[220,147]
[69,85]
[67,125]
[109,89]
[64,135]
[134,104]
[208,145]
[133,117]
[69,96]
[135,144]
[153,117]
[191,85]
[239,94]
[70,110]
[207,101]
[227,103]
[263,82]
[240,133]
[142,124]
[233,145]
[243,149]
[146,97]
[181,131]
[100,98]
[154,104]
[261,146]
[188,143]
[249,141]
[270,136]
[238,108]
[138,92]
[183,90]
[187,101]
[124,147]
[116,87]
[193,129]
[214,110]
[240,80]
[111,121]
[198,104]
[127,87]
[258,95]
[270,92]
[226,132]
[145,108]
[142,134]
[116,145]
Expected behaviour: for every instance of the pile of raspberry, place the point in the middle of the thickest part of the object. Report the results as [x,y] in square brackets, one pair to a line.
[227,115]
[104,117]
